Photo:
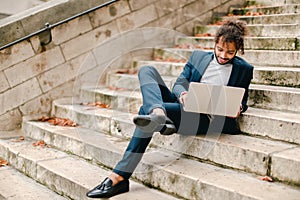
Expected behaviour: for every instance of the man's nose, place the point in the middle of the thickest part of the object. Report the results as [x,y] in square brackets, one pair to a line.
[223,55]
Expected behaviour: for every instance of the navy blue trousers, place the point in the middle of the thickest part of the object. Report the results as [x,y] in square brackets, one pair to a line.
[156,94]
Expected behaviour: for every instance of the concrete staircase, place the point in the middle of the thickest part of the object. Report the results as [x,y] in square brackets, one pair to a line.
[178,167]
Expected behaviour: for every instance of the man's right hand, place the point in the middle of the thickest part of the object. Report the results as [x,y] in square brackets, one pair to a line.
[182,98]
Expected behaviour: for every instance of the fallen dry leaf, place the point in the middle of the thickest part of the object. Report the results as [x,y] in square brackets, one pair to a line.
[20,139]
[39,143]
[3,163]
[58,121]
[96,104]
[101,105]
[218,23]
[126,71]
[253,14]
[44,119]
[116,88]
[265,178]
[249,13]
[203,35]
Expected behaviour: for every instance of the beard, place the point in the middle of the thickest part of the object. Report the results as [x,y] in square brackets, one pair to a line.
[224,60]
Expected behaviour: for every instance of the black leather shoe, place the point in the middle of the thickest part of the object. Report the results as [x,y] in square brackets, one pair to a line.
[106,190]
[155,123]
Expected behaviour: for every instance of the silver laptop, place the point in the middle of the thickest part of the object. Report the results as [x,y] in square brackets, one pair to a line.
[214,99]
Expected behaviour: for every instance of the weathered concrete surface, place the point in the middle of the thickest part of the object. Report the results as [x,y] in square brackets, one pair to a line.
[160,168]
[63,173]
[15,186]
[227,150]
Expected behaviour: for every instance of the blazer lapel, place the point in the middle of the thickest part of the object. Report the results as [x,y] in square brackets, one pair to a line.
[202,65]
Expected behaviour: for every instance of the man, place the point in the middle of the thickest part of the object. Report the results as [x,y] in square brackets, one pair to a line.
[162,109]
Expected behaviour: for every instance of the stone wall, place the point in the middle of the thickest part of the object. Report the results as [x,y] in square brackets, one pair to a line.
[32,76]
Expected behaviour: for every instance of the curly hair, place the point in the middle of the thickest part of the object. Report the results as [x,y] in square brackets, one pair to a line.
[233,31]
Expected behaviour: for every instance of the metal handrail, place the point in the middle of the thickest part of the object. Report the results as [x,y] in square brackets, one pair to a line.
[49,26]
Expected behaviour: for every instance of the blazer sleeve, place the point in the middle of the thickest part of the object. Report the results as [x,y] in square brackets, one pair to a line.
[191,72]
[183,80]
[248,75]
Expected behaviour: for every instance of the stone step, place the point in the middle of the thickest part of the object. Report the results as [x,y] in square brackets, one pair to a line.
[271,2]
[64,173]
[253,43]
[129,81]
[277,125]
[280,76]
[267,10]
[273,58]
[272,124]
[163,67]
[124,100]
[274,97]
[15,185]
[161,168]
[249,154]
[129,98]
[255,57]
[258,30]
[290,18]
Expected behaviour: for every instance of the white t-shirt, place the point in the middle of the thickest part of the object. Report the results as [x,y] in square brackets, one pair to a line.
[216,74]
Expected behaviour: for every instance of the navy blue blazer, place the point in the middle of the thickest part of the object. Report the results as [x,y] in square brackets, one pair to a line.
[241,74]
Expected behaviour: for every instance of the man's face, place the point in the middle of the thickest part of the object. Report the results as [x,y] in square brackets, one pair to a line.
[224,51]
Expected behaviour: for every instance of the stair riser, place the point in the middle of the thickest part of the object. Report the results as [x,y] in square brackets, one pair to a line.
[274,31]
[280,166]
[268,10]
[272,2]
[274,100]
[129,104]
[280,78]
[130,83]
[250,43]
[276,129]
[164,68]
[118,81]
[260,58]
[172,53]
[258,30]
[271,19]
[273,58]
